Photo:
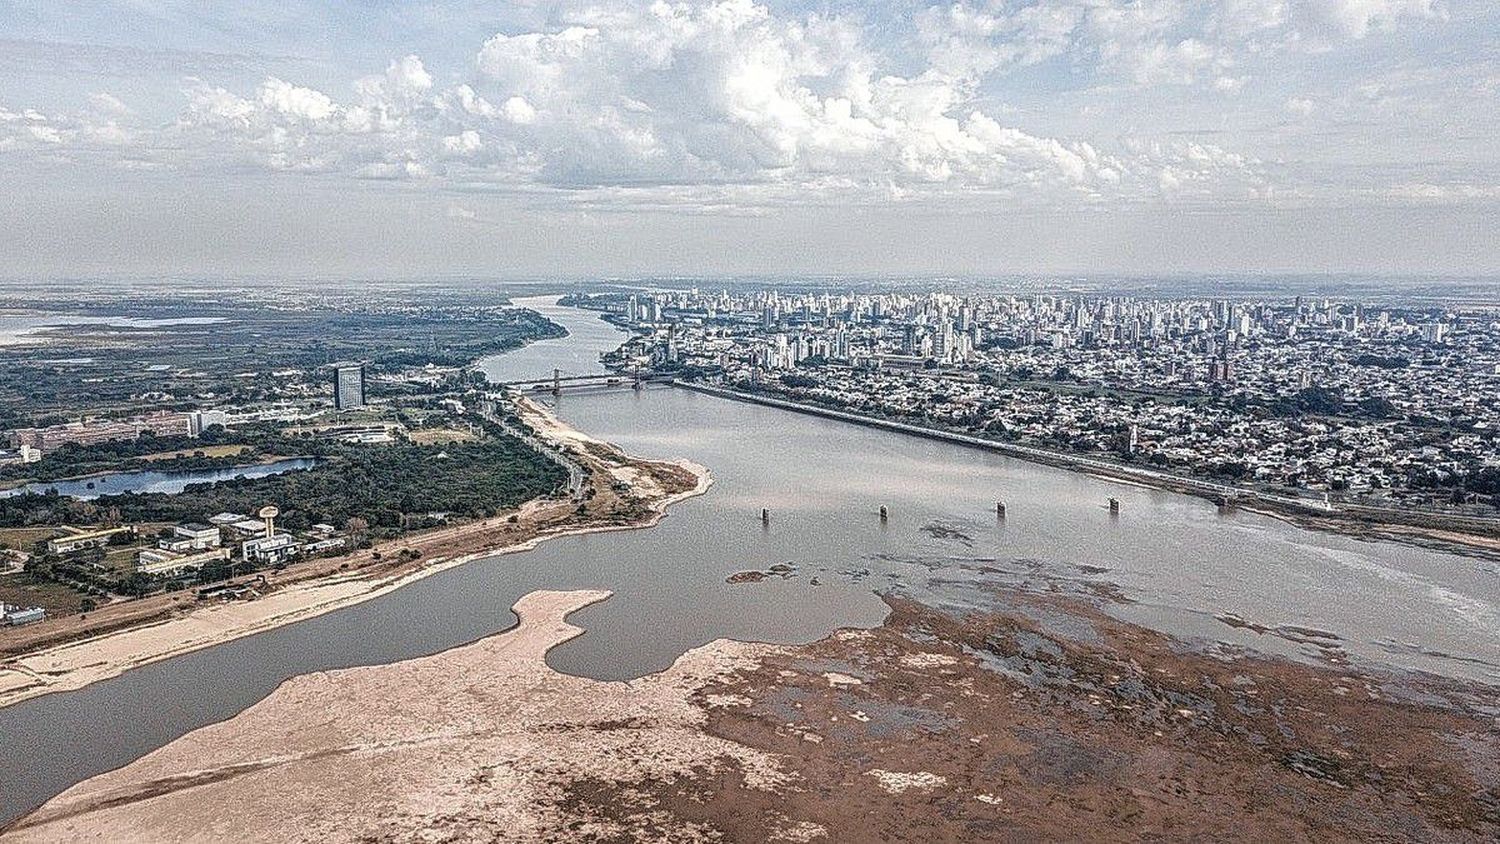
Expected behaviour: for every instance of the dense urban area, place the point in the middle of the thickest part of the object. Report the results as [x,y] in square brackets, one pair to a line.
[1309,397]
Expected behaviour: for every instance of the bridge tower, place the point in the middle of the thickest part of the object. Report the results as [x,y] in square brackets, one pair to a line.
[556,382]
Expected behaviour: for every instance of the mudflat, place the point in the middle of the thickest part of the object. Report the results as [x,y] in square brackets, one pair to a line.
[1038,717]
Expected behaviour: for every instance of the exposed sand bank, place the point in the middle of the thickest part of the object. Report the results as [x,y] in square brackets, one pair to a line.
[1036,718]
[470,744]
[185,626]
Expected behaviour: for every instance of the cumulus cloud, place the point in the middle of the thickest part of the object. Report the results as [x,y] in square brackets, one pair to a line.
[1301,106]
[714,94]
[292,101]
[518,110]
[56,135]
[728,97]
[106,103]
[464,143]
[969,41]
[1357,18]
[1148,42]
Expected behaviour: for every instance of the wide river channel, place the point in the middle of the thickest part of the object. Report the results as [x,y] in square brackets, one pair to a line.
[1179,562]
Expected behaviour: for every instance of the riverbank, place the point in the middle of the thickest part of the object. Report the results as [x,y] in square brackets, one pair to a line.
[1454,534]
[1033,718]
[70,653]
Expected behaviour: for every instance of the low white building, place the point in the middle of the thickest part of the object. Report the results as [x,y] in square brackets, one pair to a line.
[192,537]
[24,454]
[78,539]
[248,527]
[320,546]
[14,616]
[164,561]
[270,550]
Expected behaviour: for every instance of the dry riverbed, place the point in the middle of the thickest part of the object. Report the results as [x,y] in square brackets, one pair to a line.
[1037,718]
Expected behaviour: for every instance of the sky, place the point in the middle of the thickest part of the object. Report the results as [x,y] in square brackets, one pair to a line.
[373,138]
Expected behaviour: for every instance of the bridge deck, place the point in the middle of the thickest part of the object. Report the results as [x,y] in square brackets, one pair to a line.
[575,380]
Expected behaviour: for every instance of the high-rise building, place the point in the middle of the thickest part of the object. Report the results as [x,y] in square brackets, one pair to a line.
[201,420]
[349,386]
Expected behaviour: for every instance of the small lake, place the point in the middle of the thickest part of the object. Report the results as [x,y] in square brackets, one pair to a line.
[150,480]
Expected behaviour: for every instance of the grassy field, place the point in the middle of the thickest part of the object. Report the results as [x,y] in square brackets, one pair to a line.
[206,451]
[434,436]
[55,598]
[23,538]
[121,561]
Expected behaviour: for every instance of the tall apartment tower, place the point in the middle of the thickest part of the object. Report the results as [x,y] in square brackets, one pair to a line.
[349,386]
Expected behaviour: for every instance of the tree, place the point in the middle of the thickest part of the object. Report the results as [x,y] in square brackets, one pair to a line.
[357,528]
[136,584]
[795,381]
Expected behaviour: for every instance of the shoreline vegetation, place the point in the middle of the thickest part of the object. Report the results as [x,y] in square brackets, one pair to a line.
[1473,537]
[70,653]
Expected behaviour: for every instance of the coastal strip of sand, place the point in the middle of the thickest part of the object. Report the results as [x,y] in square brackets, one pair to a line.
[333,584]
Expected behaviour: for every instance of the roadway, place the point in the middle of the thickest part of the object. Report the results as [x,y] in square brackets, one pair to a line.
[575,472]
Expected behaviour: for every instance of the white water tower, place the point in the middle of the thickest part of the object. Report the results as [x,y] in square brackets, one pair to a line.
[268,514]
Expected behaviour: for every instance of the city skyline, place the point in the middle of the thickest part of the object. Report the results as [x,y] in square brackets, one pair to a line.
[750,420]
[733,137]
[960,503]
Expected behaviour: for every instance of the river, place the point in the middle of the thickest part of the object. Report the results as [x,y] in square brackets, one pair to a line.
[1177,562]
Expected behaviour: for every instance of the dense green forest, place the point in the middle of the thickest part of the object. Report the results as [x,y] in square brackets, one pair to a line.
[391,487]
